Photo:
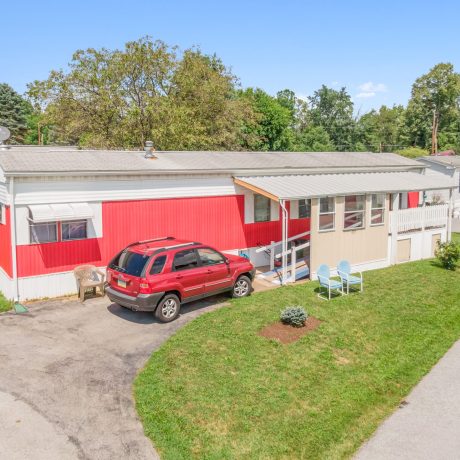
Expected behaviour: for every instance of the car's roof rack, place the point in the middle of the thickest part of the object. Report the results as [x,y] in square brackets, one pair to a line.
[176,246]
[151,240]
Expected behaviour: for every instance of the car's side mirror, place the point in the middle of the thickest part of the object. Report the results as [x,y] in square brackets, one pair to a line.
[227,261]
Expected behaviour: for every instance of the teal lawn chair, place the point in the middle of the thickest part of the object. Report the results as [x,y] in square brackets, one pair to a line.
[344,271]
[324,277]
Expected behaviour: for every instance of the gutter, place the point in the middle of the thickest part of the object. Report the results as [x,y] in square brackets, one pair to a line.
[236,172]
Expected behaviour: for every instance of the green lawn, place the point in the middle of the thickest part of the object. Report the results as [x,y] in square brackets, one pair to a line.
[216,390]
[5,304]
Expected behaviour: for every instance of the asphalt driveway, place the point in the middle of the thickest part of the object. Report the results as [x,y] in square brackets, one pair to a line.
[66,373]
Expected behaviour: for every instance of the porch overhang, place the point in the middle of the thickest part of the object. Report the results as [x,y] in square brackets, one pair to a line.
[296,187]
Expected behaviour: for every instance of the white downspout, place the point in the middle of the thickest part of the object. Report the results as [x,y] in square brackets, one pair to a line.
[284,238]
[14,261]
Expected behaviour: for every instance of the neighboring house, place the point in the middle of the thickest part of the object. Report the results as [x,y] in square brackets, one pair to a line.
[62,207]
[450,167]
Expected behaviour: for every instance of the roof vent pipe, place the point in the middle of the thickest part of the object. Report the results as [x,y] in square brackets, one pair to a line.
[149,149]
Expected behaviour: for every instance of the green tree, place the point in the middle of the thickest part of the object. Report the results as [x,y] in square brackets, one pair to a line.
[121,98]
[313,139]
[273,128]
[333,111]
[14,113]
[382,130]
[433,105]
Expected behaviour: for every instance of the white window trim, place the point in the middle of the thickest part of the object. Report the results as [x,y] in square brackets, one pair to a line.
[70,222]
[270,207]
[2,214]
[345,213]
[298,208]
[379,224]
[320,230]
[32,224]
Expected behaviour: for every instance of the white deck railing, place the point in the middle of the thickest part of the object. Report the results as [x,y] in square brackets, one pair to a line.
[420,218]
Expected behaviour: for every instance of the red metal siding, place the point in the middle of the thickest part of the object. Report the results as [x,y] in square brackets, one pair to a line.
[412,199]
[218,221]
[5,244]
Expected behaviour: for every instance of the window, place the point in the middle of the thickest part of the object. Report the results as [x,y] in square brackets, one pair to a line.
[210,257]
[43,233]
[158,265]
[131,263]
[354,212]
[2,214]
[261,208]
[378,209]
[304,209]
[326,213]
[185,260]
[76,230]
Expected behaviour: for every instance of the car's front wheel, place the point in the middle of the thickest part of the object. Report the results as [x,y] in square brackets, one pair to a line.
[242,287]
[168,308]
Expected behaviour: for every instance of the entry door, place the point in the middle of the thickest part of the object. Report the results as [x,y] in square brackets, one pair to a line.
[188,273]
[218,271]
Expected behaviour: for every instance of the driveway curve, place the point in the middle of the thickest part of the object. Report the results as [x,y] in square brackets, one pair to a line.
[66,373]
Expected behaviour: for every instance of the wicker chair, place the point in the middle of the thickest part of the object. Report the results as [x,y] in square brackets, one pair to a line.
[88,278]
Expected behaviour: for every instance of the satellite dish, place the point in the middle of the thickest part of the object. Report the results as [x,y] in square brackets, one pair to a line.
[4,134]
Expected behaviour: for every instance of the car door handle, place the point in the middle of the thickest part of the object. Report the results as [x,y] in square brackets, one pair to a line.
[209,271]
[179,277]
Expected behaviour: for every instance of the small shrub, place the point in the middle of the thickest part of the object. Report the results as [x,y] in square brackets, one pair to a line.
[448,254]
[294,315]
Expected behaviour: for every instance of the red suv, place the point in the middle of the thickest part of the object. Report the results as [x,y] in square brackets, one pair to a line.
[159,275]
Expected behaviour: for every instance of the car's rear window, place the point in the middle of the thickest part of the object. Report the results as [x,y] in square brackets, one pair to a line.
[131,263]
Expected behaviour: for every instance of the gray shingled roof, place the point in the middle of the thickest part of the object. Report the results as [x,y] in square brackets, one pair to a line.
[449,161]
[54,160]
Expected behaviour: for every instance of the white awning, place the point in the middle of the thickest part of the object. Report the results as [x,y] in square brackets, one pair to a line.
[292,187]
[60,212]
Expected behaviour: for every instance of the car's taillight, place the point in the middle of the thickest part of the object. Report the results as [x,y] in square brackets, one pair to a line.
[109,276]
[144,287]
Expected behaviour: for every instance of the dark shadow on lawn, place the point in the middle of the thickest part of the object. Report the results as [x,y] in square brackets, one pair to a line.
[142,317]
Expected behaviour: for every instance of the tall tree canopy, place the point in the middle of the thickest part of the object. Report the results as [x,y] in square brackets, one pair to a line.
[14,113]
[114,99]
[433,106]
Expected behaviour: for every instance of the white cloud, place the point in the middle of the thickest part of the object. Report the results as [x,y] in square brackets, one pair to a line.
[370,89]
[365,94]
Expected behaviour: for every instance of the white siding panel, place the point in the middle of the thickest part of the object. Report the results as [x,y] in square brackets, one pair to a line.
[6,285]
[4,197]
[69,191]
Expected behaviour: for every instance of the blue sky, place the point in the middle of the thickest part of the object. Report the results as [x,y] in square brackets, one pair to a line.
[375,49]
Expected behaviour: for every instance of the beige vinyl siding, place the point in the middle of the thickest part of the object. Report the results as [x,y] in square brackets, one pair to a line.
[358,246]
[404,248]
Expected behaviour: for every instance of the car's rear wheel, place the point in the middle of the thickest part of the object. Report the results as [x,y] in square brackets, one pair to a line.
[168,308]
[242,287]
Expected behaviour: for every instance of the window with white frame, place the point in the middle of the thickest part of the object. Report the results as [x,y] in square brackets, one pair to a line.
[354,212]
[304,209]
[262,208]
[75,230]
[326,213]
[2,214]
[45,232]
[378,209]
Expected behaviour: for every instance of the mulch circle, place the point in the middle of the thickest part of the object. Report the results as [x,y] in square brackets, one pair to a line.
[285,333]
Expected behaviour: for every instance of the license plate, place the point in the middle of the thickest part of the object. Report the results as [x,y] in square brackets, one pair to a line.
[121,283]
